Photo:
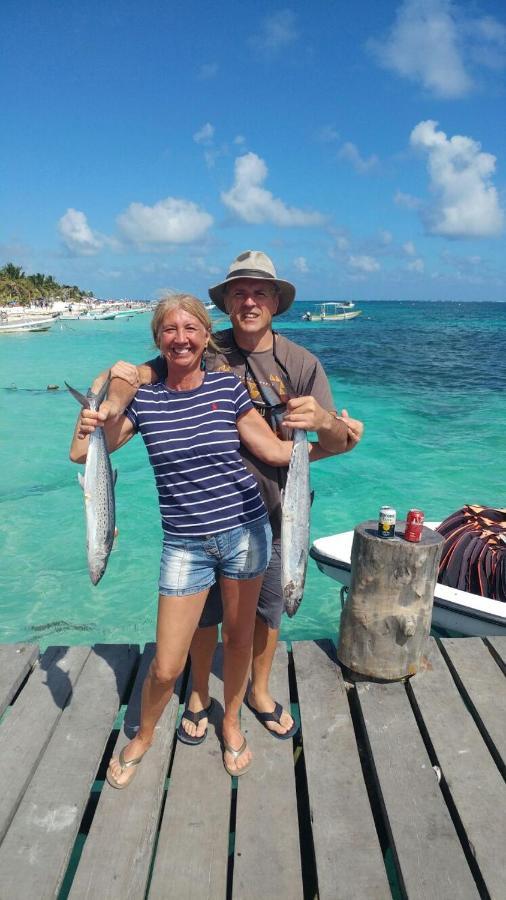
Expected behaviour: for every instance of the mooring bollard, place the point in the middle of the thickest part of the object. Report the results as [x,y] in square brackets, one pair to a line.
[386,619]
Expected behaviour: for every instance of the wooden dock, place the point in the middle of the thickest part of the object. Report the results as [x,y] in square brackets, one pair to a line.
[391,790]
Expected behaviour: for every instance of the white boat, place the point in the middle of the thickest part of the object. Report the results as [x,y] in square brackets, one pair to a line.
[108,314]
[333,312]
[19,325]
[453,610]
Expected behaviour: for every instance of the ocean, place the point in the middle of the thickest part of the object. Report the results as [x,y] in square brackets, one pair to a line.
[427,379]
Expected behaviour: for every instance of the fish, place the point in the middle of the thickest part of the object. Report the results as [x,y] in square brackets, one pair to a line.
[98,489]
[295,516]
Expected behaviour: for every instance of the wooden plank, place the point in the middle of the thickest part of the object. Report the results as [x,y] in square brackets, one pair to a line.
[267,855]
[484,685]
[27,730]
[119,868]
[499,645]
[16,660]
[192,849]
[428,854]
[347,851]
[37,846]
[474,782]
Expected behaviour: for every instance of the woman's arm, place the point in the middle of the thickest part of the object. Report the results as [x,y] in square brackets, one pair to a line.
[260,440]
[117,433]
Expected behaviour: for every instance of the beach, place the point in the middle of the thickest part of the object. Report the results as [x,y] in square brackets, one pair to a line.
[428,380]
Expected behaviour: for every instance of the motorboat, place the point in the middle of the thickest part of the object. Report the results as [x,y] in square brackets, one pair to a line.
[19,325]
[333,312]
[453,610]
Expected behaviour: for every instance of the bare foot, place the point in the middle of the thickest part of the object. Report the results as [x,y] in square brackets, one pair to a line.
[264,703]
[120,774]
[196,704]
[232,736]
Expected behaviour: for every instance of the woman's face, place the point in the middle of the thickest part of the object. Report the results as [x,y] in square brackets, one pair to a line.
[183,339]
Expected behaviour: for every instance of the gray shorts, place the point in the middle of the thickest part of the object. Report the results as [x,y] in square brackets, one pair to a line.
[270,603]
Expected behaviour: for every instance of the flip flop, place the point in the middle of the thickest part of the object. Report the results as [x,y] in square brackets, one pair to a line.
[274,716]
[125,764]
[186,738]
[235,773]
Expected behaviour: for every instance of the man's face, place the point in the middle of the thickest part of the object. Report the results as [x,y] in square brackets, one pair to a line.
[251,304]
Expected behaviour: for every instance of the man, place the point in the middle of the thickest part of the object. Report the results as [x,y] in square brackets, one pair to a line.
[278,375]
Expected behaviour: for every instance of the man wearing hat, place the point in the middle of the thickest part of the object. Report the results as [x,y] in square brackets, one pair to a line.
[279,375]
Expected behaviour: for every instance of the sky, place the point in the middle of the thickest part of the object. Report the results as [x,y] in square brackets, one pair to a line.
[362,145]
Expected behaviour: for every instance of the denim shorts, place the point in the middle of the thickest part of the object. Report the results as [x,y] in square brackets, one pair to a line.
[192,564]
[270,602]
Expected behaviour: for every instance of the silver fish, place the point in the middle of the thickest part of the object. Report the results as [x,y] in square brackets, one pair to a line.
[98,488]
[295,513]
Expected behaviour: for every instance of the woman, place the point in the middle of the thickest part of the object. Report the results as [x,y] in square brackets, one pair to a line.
[213,517]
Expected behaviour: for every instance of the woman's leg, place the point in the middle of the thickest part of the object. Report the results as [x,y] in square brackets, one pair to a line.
[177,620]
[240,598]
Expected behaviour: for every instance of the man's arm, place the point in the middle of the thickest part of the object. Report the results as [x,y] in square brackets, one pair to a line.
[336,433]
[126,380]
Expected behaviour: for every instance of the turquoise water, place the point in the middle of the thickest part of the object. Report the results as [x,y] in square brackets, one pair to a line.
[428,380]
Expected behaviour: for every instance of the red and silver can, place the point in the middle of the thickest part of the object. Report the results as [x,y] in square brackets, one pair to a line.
[414,525]
[386,522]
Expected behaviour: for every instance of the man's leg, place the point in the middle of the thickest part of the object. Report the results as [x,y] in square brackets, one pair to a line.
[202,650]
[265,640]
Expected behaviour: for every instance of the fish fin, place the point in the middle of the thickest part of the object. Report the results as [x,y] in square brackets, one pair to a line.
[114,477]
[84,401]
[102,393]
[311,497]
[80,480]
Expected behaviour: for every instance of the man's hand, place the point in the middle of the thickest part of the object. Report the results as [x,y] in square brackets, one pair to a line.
[355,429]
[128,372]
[305,413]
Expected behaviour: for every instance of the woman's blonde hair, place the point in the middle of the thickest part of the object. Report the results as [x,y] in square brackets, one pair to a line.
[189,304]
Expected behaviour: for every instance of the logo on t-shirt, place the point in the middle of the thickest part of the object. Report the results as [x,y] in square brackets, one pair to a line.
[214,406]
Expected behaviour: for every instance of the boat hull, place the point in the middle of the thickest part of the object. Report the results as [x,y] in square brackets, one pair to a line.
[22,327]
[453,610]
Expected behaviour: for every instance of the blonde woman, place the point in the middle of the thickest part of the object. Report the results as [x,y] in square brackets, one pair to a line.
[215,526]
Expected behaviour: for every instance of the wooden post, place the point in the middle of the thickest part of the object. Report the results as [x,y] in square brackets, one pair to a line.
[386,619]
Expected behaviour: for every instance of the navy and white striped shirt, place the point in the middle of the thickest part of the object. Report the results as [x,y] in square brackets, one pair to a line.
[193,445]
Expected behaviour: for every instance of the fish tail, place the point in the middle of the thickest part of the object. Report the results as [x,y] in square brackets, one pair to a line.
[102,393]
[79,397]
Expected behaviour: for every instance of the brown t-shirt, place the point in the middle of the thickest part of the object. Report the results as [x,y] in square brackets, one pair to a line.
[274,377]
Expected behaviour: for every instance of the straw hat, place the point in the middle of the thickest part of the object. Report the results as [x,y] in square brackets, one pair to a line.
[254,264]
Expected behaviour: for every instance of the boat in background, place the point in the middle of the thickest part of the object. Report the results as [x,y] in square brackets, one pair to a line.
[20,325]
[333,312]
[453,610]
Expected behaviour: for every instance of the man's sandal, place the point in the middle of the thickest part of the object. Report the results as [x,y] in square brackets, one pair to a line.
[192,739]
[125,764]
[235,773]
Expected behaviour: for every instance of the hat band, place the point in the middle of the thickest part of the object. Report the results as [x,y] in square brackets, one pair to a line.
[249,273]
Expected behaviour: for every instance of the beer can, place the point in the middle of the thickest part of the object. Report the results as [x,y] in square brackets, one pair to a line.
[414,525]
[386,522]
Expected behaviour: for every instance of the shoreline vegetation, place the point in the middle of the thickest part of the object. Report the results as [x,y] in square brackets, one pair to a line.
[17,288]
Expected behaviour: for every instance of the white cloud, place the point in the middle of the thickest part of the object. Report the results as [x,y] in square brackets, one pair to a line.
[407,200]
[239,139]
[416,265]
[342,243]
[423,45]
[77,234]
[466,203]
[300,263]
[204,135]
[364,263]
[328,134]
[409,248]
[432,42]
[208,70]
[385,237]
[170,221]
[350,152]
[275,32]
[254,204]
